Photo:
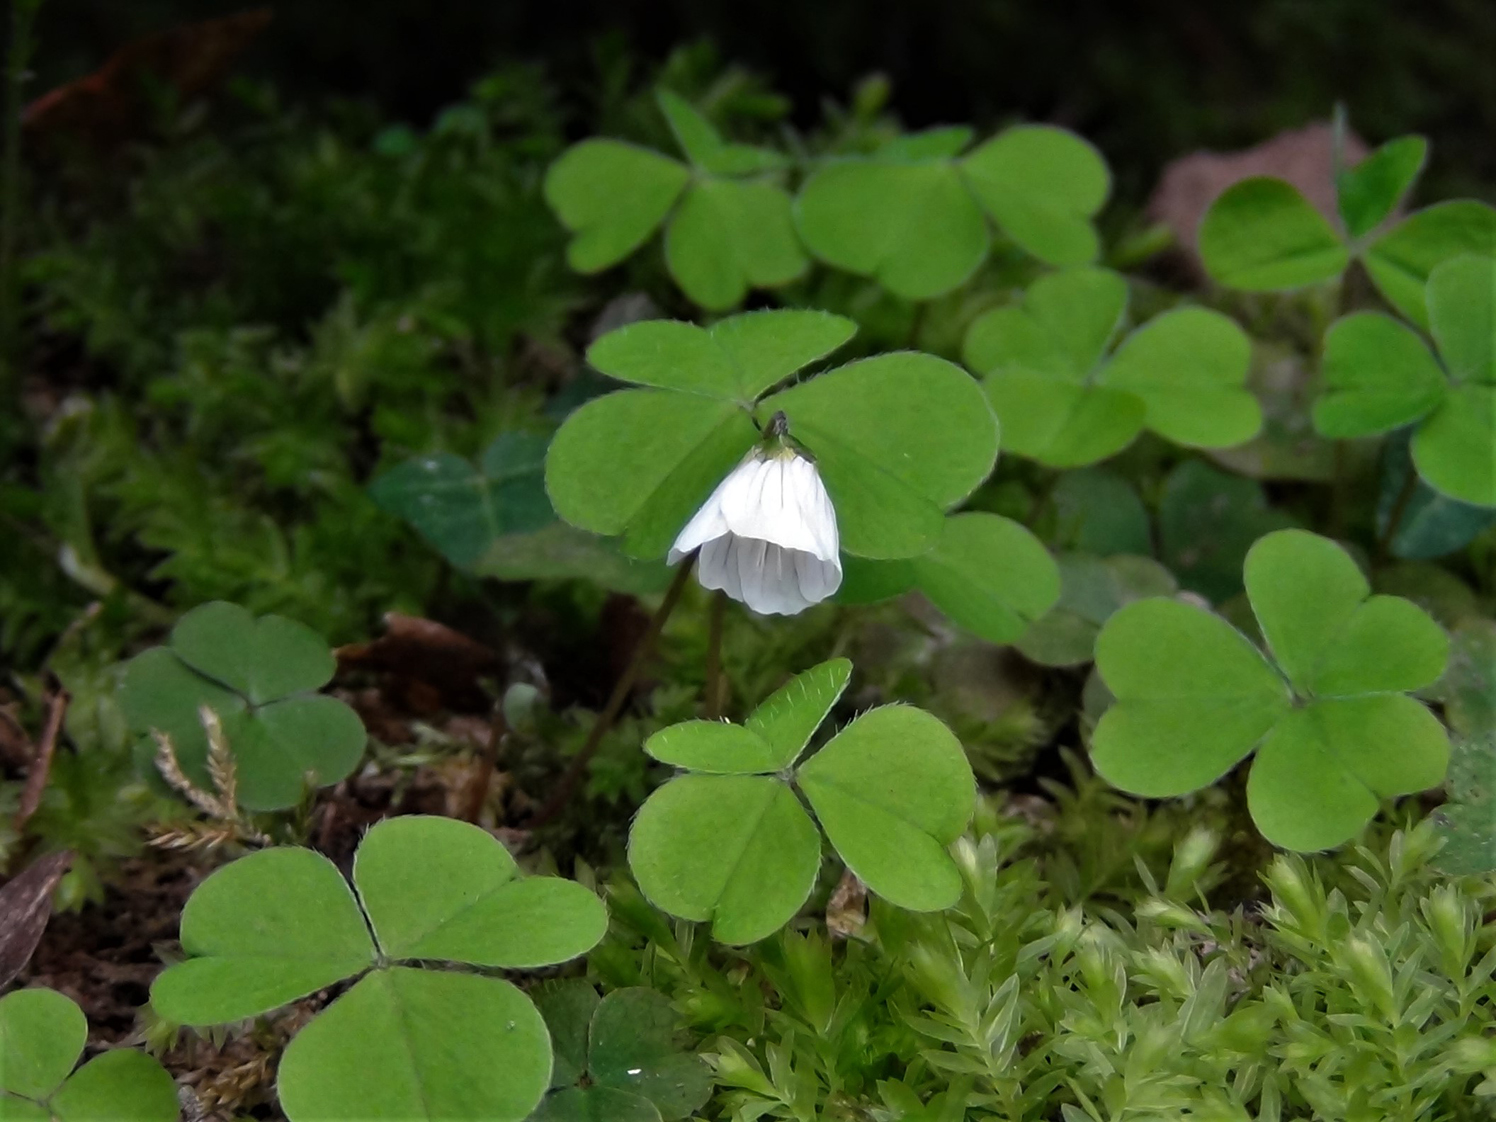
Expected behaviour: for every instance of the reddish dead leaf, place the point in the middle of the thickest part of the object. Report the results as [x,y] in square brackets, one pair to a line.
[1191,183]
[109,104]
[25,908]
[432,666]
[846,911]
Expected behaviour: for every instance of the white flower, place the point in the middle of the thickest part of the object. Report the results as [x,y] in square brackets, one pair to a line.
[767,535]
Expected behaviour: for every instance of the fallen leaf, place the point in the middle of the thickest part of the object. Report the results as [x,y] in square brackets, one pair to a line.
[25,908]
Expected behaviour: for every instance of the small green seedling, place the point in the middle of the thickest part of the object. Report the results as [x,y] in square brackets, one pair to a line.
[987,573]
[260,677]
[1262,235]
[616,1059]
[1328,717]
[42,1035]
[898,439]
[1066,399]
[914,215]
[404,1041]
[727,219]
[728,841]
[1380,375]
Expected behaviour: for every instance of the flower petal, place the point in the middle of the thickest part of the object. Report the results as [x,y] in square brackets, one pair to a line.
[706,524]
[765,500]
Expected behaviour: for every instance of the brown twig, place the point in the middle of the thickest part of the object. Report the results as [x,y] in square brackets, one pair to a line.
[712,709]
[41,763]
[621,690]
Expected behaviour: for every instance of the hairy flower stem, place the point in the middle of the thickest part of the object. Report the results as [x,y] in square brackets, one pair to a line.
[713,703]
[621,690]
[22,20]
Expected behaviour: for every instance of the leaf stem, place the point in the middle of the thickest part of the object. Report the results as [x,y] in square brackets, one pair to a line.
[1399,509]
[621,690]
[712,709]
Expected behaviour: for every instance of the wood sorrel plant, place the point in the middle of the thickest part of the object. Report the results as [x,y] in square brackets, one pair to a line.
[405,1041]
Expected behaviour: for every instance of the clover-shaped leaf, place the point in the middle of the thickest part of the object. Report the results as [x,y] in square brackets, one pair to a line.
[402,1043]
[622,1049]
[259,677]
[892,790]
[1064,401]
[897,438]
[1379,375]
[461,510]
[1329,718]
[725,232]
[911,215]
[42,1034]
[1263,235]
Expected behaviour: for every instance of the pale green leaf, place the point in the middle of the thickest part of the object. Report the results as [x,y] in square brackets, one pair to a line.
[439,888]
[1042,185]
[729,236]
[612,196]
[1461,300]
[1262,235]
[715,747]
[1189,367]
[1322,772]
[736,850]
[1193,698]
[118,1086]
[42,1034]
[419,1046]
[1370,191]
[1378,376]
[261,932]
[789,717]
[990,575]
[912,226]
[893,789]
[1452,449]
[1401,261]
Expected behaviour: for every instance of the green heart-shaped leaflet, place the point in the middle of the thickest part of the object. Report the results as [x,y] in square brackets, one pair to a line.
[892,790]
[897,438]
[1379,375]
[1062,401]
[724,233]
[401,1043]
[1331,723]
[1367,193]
[259,677]
[42,1034]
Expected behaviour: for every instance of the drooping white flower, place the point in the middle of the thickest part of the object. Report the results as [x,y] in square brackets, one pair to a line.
[767,534]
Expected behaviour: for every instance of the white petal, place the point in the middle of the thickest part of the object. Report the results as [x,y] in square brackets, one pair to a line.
[818,511]
[717,567]
[706,524]
[818,578]
[767,501]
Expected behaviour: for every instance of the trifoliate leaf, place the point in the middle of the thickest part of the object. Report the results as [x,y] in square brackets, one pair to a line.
[1402,260]
[1378,375]
[1332,727]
